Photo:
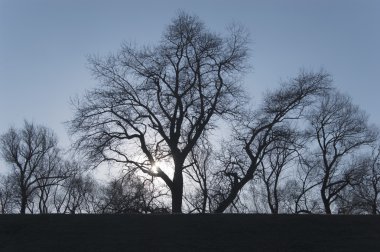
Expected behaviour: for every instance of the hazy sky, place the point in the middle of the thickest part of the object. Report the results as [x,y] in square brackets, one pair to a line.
[44,43]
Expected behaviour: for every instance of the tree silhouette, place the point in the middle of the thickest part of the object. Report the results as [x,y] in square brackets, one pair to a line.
[338,128]
[33,154]
[257,131]
[131,194]
[276,160]
[156,103]
[7,193]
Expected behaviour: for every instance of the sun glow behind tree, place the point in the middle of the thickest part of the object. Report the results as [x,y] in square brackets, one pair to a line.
[157,103]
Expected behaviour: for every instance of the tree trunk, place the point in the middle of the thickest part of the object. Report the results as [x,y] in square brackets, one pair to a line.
[23,205]
[374,207]
[326,202]
[24,201]
[224,204]
[177,191]
[204,202]
[228,201]
[374,202]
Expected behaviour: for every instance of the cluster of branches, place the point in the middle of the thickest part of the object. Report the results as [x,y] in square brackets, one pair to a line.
[36,166]
[318,156]
[42,181]
[305,149]
[164,102]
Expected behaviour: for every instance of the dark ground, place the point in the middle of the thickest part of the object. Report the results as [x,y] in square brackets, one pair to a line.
[225,232]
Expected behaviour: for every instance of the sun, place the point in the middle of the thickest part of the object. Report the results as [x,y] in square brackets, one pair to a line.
[160,165]
[156,167]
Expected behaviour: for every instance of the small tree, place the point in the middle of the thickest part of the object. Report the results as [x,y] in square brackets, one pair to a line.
[273,166]
[78,193]
[363,194]
[200,173]
[300,191]
[28,152]
[367,191]
[131,194]
[53,173]
[7,194]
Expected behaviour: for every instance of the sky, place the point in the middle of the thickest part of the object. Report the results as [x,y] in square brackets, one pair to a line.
[44,45]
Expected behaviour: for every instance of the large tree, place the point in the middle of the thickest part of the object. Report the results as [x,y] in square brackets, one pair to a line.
[258,132]
[156,103]
[338,128]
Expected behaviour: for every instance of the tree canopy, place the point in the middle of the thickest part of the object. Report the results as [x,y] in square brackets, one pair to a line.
[156,103]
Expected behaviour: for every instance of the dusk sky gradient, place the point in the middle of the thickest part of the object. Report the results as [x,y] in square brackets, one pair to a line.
[44,45]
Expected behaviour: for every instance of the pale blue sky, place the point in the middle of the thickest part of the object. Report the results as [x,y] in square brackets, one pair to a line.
[44,43]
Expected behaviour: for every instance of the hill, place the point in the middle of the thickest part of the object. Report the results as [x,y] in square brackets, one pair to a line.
[224,232]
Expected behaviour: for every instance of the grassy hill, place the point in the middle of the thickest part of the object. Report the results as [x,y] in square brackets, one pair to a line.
[225,232]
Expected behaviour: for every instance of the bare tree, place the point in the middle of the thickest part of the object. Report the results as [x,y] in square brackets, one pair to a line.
[28,151]
[338,128]
[53,173]
[259,130]
[78,193]
[200,174]
[273,166]
[363,194]
[7,192]
[132,194]
[302,189]
[156,103]
[367,192]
